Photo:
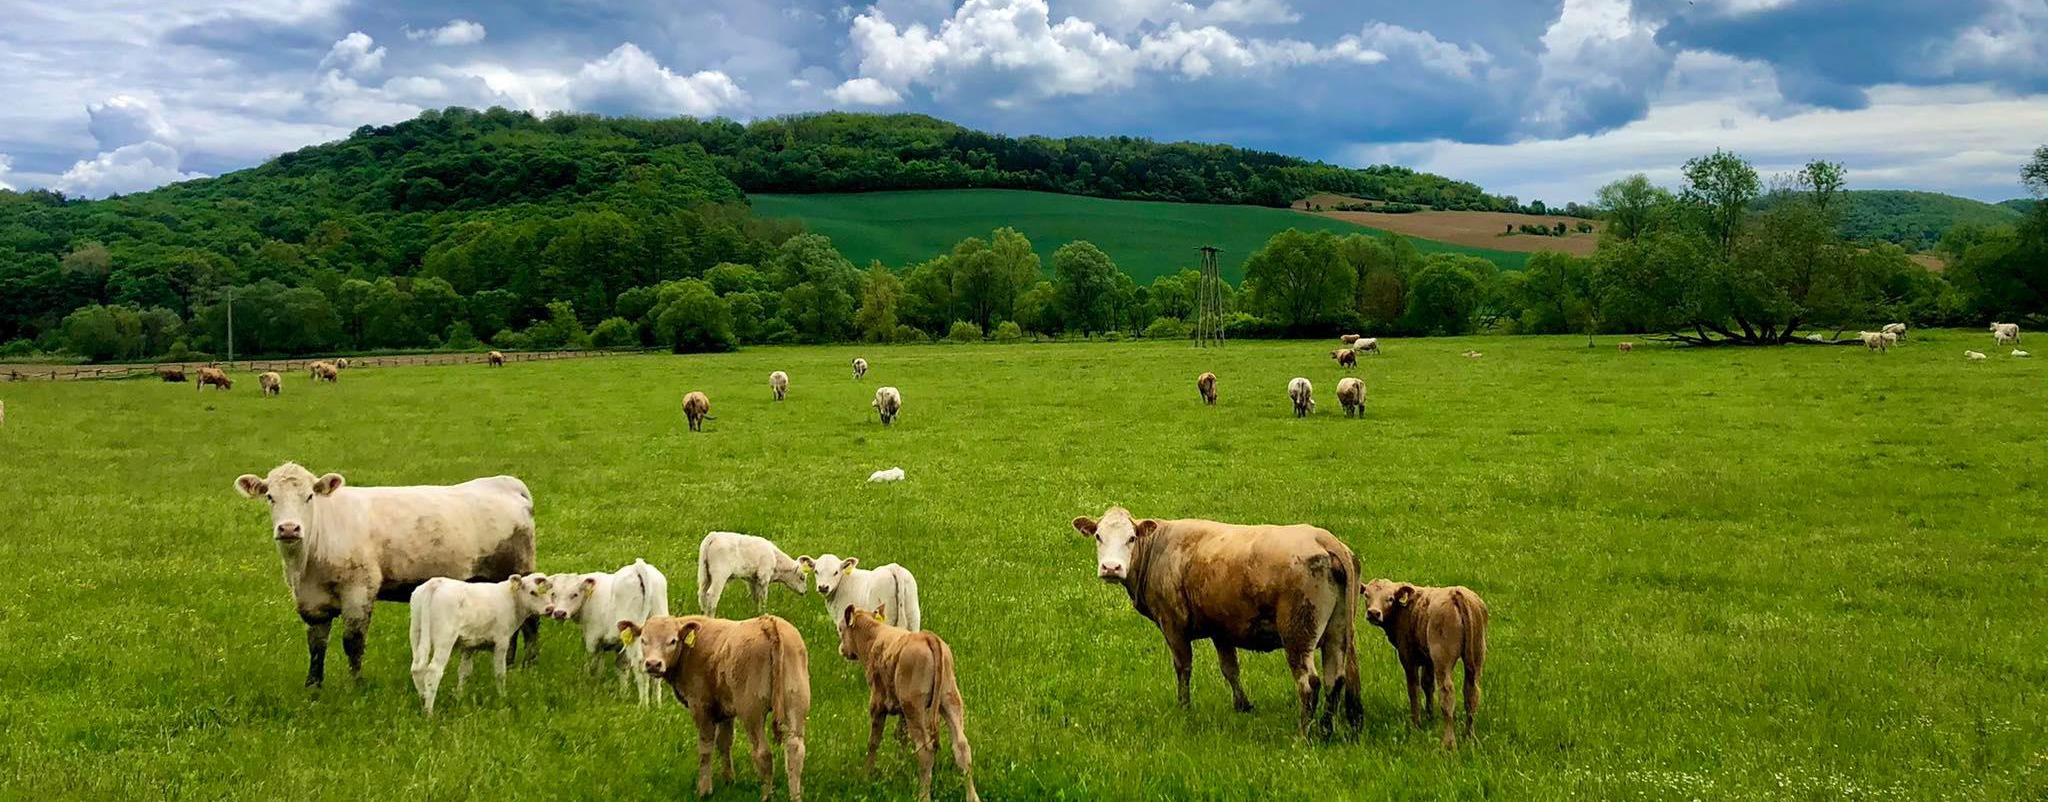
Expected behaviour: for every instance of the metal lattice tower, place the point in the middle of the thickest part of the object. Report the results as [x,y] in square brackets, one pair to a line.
[1209,301]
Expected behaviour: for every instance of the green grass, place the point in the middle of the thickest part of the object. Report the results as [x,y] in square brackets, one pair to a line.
[1146,239]
[1799,573]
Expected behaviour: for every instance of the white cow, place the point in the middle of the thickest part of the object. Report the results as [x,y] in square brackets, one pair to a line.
[2021,354]
[471,616]
[1891,339]
[1303,395]
[845,586]
[598,602]
[2005,333]
[726,556]
[779,382]
[888,402]
[1975,356]
[1895,328]
[860,367]
[1873,341]
[890,475]
[1365,345]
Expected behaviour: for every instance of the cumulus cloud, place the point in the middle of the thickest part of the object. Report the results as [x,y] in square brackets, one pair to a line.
[865,92]
[1380,41]
[130,168]
[355,54]
[629,81]
[1598,66]
[1128,15]
[456,32]
[126,120]
[6,166]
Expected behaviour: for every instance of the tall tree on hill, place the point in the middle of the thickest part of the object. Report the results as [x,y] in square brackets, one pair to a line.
[1300,278]
[1634,207]
[818,288]
[1720,188]
[879,295]
[1083,277]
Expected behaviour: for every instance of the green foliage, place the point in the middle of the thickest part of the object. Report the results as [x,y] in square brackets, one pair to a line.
[460,337]
[1167,328]
[509,340]
[1719,189]
[879,295]
[687,316]
[1008,331]
[1921,218]
[1299,277]
[1083,280]
[561,329]
[615,332]
[1442,297]
[964,332]
[818,288]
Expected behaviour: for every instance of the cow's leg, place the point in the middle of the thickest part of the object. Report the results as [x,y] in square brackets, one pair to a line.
[793,751]
[1471,695]
[1226,659]
[530,631]
[1183,662]
[356,607]
[763,754]
[464,664]
[1443,695]
[707,738]
[1307,686]
[426,674]
[878,720]
[725,748]
[1413,674]
[1336,679]
[708,596]
[760,591]
[501,658]
[926,743]
[318,626]
[963,755]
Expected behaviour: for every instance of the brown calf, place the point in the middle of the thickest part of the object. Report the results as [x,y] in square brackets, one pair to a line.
[1206,385]
[910,674]
[1349,338]
[272,383]
[1432,629]
[172,375]
[1345,357]
[756,671]
[697,408]
[216,377]
[496,358]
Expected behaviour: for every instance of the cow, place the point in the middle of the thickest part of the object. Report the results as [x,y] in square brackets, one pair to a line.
[1206,385]
[888,402]
[1258,588]
[1303,395]
[725,556]
[214,376]
[910,674]
[1975,356]
[2004,334]
[341,364]
[597,602]
[1895,328]
[885,476]
[171,375]
[1350,339]
[756,671]
[271,383]
[1351,393]
[495,359]
[1873,341]
[778,382]
[697,408]
[860,367]
[1346,358]
[344,548]
[448,615]
[324,371]
[1626,347]
[1432,629]
[1367,345]
[842,584]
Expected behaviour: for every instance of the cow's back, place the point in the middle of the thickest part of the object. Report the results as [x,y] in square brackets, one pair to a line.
[481,529]
[1233,579]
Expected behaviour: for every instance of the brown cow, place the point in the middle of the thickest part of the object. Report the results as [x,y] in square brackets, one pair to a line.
[1206,385]
[1351,393]
[697,407]
[496,358]
[756,671]
[1349,338]
[1241,587]
[1432,629]
[171,375]
[323,371]
[271,383]
[1626,347]
[214,376]
[1346,358]
[910,674]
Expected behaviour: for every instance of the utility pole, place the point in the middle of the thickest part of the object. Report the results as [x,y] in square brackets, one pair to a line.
[231,327]
[1209,301]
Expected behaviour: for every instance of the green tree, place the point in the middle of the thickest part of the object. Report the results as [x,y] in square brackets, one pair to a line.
[561,329]
[1720,188]
[818,288]
[880,292]
[1084,278]
[688,317]
[615,332]
[102,333]
[1633,207]
[1442,297]
[1300,278]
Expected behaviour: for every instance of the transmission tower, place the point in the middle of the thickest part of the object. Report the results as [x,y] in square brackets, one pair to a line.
[1209,301]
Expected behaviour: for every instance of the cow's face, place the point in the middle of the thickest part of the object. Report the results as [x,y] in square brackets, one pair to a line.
[290,490]
[565,595]
[1116,536]
[829,570]
[664,641]
[1384,599]
[857,629]
[793,574]
[529,592]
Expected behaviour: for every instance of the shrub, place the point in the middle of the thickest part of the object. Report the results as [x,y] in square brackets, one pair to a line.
[964,332]
[25,348]
[1167,328]
[1585,227]
[614,332]
[179,351]
[509,340]
[1009,331]
[1112,336]
[907,334]
[460,338]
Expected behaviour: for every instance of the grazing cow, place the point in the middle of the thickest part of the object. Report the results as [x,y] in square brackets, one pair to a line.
[860,367]
[1626,347]
[1206,385]
[1872,341]
[1895,328]
[214,376]
[1259,588]
[725,556]
[171,375]
[844,586]
[910,674]
[597,603]
[495,359]
[1351,393]
[756,671]
[1432,629]
[324,371]
[1367,345]
[888,402]
[1890,340]
[1350,339]
[341,364]
[697,408]
[1302,393]
[2005,334]
[448,615]
[890,475]
[271,383]
[1346,358]
[779,383]
[1975,356]
[345,548]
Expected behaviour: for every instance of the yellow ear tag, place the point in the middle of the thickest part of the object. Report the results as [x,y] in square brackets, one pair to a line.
[626,637]
[806,569]
[690,639]
[848,570]
[879,619]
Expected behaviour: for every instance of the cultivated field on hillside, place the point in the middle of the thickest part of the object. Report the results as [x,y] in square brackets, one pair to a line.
[1146,239]
[1469,229]
[1795,573]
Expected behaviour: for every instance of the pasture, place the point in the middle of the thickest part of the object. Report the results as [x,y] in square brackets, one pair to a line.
[1147,239]
[1797,573]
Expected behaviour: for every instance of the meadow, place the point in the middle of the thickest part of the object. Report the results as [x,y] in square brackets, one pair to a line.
[1797,573]
[1147,239]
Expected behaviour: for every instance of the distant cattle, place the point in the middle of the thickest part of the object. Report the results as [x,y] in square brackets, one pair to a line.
[888,402]
[1873,341]
[860,367]
[271,383]
[341,363]
[1626,347]
[2021,354]
[495,359]
[1351,393]
[171,375]
[890,475]
[1206,385]
[324,371]
[1260,588]
[1975,356]
[756,672]
[778,382]
[1346,358]
[2005,334]
[1432,630]
[1350,339]
[214,376]
[1367,345]
[1895,328]
[697,408]
[1303,395]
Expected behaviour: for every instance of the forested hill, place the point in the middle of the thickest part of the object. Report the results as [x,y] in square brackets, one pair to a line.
[1917,219]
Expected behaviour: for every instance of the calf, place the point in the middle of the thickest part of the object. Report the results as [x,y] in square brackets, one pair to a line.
[495,359]
[171,375]
[341,363]
[890,475]
[1895,328]
[1626,347]
[860,367]
[1350,339]
[1351,393]
[449,614]
[1872,341]
[844,585]
[1303,395]
[725,556]
[214,376]
[1431,630]
[271,383]
[697,408]
[1975,356]
[597,603]
[888,402]
[779,383]
[756,671]
[324,371]
[910,674]
[1206,385]
[1346,358]
[2005,333]
[1367,345]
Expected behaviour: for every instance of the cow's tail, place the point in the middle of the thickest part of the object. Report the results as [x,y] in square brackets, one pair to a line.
[422,606]
[1345,575]
[906,601]
[776,704]
[1473,613]
[703,582]
[939,669]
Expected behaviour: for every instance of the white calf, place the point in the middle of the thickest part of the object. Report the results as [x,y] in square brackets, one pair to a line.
[1895,328]
[2005,333]
[472,616]
[860,367]
[845,586]
[597,603]
[890,475]
[1975,356]
[779,383]
[726,556]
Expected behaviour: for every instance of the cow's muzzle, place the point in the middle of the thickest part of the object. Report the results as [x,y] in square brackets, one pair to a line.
[289,533]
[1110,573]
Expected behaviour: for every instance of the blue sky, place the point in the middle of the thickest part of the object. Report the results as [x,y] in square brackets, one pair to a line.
[1540,99]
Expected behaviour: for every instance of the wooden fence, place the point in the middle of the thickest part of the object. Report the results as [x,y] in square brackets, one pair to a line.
[191,369]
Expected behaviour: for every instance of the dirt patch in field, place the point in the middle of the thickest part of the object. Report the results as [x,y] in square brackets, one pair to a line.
[1470,229]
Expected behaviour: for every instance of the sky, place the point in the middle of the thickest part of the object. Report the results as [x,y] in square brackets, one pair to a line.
[1541,99]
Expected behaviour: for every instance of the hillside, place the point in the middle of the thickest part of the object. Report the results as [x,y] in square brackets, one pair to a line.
[1489,231]
[1916,218]
[2021,205]
[1147,239]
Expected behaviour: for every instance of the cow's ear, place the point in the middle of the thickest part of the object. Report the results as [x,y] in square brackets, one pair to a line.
[250,485]
[326,485]
[1146,527]
[628,632]
[1085,525]
[1404,594]
[589,582]
[846,619]
[690,633]
[847,568]
[881,613]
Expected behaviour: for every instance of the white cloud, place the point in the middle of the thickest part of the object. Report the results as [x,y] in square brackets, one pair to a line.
[456,32]
[1129,15]
[126,120]
[1380,41]
[355,54]
[6,166]
[130,168]
[865,92]
[628,80]
[1598,65]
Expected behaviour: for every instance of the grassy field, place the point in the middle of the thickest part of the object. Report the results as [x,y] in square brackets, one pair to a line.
[1146,239]
[1800,573]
